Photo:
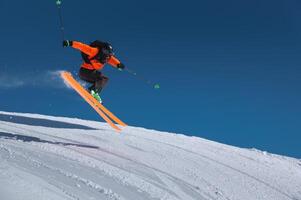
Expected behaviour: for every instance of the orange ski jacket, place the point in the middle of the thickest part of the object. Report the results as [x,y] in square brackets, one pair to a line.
[91,52]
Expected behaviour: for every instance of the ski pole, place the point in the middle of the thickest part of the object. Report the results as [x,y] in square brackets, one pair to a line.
[155,85]
[59,3]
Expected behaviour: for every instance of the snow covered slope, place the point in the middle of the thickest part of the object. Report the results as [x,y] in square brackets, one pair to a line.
[55,158]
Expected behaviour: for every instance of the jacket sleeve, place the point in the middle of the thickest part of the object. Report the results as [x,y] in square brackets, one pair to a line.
[90,51]
[113,61]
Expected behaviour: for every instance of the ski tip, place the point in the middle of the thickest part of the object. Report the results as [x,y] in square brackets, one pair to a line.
[118,130]
[65,73]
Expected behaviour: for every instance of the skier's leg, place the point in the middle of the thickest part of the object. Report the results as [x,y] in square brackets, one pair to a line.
[101,83]
[86,75]
[89,76]
[95,77]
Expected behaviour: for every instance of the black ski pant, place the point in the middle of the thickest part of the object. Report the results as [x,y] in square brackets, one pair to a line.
[95,77]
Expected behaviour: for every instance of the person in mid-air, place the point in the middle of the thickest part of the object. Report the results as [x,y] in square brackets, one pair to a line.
[95,56]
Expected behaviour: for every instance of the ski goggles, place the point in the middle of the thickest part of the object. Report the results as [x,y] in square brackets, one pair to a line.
[108,52]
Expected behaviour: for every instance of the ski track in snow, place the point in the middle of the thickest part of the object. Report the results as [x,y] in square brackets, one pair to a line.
[40,159]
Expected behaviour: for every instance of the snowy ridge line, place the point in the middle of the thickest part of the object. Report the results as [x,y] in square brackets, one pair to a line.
[218,147]
[107,192]
[191,186]
[146,187]
[23,132]
[93,124]
[73,163]
[142,185]
[230,167]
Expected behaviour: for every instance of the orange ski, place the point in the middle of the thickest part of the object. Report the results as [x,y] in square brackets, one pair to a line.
[100,109]
[99,105]
[109,113]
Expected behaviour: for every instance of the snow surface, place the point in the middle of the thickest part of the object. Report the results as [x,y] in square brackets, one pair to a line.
[55,158]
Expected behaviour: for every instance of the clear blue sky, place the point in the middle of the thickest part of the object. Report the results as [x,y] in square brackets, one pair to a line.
[229,70]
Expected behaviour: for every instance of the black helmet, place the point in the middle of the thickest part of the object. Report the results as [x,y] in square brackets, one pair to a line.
[105,52]
[107,49]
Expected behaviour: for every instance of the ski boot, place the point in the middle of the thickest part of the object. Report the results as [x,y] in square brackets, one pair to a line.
[96,96]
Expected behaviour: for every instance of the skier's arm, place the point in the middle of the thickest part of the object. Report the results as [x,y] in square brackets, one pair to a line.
[113,61]
[116,63]
[90,51]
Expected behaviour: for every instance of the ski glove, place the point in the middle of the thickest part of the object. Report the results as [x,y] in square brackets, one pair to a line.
[67,43]
[120,66]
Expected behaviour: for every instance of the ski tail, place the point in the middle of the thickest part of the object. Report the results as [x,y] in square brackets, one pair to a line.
[100,109]
[111,115]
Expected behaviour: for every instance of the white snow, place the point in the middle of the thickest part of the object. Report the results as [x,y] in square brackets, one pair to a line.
[55,158]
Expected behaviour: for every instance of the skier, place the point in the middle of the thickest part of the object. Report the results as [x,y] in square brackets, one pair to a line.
[95,56]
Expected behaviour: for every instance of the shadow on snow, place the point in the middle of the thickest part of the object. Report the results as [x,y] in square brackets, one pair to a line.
[42,122]
[25,138]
